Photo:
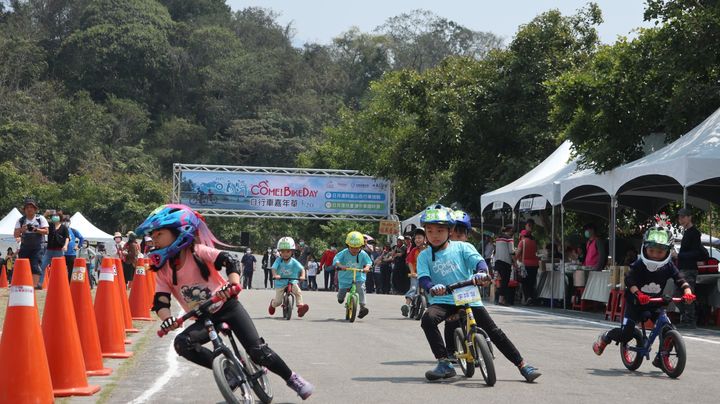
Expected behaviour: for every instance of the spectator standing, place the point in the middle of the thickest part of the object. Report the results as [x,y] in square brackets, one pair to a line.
[399,271]
[527,256]
[377,268]
[89,254]
[386,269]
[130,255]
[75,241]
[29,230]
[9,263]
[691,251]
[595,251]
[312,271]
[504,250]
[267,262]
[370,280]
[326,265]
[115,249]
[57,242]
[248,262]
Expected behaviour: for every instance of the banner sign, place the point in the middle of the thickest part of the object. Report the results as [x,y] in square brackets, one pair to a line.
[536,203]
[389,227]
[296,193]
[497,205]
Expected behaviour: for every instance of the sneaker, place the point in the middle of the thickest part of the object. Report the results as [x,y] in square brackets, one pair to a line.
[301,386]
[656,362]
[363,312]
[271,309]
[530,373]
[443,370]
[302,309]
[599,344]
[405,309]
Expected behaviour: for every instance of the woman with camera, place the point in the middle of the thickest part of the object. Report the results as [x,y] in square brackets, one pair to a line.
[57,240]
[29,231]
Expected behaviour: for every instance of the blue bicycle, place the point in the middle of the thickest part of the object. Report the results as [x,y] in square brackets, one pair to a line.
[671,355]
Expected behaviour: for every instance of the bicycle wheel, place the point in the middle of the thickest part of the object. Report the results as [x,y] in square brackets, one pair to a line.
[484,359]
[288,305]
[422,305]
[672,353]
[461,348]
[413,307]
[352,310]
[258,379]
[629,351]
[224,368]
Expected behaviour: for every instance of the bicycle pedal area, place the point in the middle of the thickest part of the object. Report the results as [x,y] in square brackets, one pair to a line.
[384,356]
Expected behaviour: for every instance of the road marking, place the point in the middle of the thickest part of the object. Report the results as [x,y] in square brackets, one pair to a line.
[598,323]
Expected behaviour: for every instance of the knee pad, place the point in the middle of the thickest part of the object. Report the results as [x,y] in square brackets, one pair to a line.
[184,344]
[261,353]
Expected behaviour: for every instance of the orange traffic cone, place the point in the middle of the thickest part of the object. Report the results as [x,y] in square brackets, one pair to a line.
[62,341]
[86,322]
[46,281]
[24,370]
[3,277]
[139,306]
[149,281]
[111,328]
[122,290]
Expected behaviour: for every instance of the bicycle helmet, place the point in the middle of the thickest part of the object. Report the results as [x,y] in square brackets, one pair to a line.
[179,219]
[286,243]
[419,230]
[355,239]
[658,237]
[437,214]
[462,219]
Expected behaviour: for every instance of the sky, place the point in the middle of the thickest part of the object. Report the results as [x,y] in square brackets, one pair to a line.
[319,21]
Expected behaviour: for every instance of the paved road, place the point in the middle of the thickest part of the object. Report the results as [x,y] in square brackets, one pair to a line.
[383,358]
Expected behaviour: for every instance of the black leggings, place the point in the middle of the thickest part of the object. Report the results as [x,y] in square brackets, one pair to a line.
[437,313]
[634,313]
[188,343]
[268,277]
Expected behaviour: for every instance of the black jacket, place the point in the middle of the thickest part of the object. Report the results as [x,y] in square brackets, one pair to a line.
[691,250]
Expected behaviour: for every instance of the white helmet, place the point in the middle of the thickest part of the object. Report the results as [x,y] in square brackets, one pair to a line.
[660,238]
[286,243]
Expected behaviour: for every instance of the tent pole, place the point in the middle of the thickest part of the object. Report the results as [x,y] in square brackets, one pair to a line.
[613,226]
[552,254]
[684,197]
[562,250]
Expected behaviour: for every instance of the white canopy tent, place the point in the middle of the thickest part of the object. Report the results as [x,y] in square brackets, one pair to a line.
[7,230]
[414,220]
[88,230]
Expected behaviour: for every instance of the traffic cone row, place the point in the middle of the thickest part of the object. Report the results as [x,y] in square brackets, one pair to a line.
[39,362]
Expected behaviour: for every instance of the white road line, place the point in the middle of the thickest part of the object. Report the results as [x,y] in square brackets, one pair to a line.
[598,323]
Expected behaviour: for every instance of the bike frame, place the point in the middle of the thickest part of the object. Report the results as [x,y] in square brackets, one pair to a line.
[353,288]
[470,329]
[661,322]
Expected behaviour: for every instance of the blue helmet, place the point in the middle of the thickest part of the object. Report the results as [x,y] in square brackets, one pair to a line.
[462,219]
[437,214]
[181,220]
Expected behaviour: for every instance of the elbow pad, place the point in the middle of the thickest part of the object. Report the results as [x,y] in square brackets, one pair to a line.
[228,261]
[157,304]
[481,267]
[425,283]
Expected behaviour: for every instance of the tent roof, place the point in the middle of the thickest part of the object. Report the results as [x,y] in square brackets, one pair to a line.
[7,224]
[87,229]
[538,181]
[411,220]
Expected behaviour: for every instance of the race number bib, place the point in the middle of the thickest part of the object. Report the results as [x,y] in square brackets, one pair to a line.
[466,295]
[78,274]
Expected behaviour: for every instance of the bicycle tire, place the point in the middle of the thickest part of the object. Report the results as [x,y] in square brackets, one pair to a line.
[220,363]
[629,354]
[672,340]
[484,359]
[421,307]
[288,306]
[261,385]
[353,308]
[468,368]
[413,308]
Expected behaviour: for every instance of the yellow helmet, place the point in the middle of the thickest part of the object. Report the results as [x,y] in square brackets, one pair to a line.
[355,239]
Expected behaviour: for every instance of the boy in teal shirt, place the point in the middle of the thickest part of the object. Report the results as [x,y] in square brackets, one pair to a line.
[444,263]
[353,257]
[287,269]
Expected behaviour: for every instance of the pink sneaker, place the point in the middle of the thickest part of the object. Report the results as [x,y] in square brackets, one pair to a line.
[599,345]
[271,309]
[301,386]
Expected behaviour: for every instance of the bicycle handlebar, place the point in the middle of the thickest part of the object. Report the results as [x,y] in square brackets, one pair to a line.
[458,285]
[201,309]
[666,299]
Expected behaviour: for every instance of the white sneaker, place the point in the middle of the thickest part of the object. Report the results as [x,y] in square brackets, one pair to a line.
[301,386]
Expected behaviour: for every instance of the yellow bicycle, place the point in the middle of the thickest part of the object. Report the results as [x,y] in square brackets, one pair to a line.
[472,344]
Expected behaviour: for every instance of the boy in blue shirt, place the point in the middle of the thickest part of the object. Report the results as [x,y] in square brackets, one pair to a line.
[444,263]
[284,270]
[353,257]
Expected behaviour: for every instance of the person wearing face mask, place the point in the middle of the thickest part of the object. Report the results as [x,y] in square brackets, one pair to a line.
[75,241]
[115,249]
[29,232]
[267,262]
[57,241]
[595,251]
[248,262]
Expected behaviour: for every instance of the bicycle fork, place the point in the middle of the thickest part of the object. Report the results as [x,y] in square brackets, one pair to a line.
[221,349]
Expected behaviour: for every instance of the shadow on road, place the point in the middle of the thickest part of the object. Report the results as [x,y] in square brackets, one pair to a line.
[329,320]
[625,373]
[394,379]
[410,363]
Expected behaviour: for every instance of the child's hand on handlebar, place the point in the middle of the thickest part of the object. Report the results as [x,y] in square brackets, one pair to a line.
[437,290]
[688,298]
[168,324]
[481,279]
[642,298]
[276,277]
[228,291]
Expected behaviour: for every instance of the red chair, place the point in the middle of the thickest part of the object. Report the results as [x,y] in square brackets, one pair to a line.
[619,310]
[577,301]
[612,302]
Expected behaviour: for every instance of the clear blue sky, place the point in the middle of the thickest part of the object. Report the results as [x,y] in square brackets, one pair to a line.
[321,20]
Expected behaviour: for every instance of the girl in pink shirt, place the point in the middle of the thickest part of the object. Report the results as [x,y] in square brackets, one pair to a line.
[187,266]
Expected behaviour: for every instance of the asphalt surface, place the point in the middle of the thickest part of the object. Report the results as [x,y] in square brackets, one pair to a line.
[383,358]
